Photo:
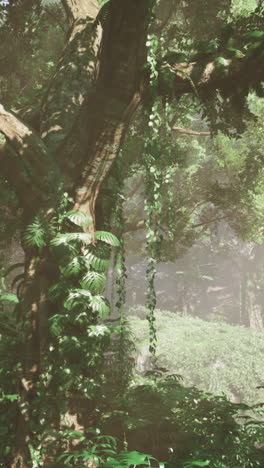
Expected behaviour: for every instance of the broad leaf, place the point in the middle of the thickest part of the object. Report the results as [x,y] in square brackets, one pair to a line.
[79,218]
[99,305]
[107,237]
[76,297]
[74,267]
[99,264]
[94,281]
[65,239]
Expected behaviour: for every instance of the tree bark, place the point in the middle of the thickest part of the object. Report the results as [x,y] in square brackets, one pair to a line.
[100,107]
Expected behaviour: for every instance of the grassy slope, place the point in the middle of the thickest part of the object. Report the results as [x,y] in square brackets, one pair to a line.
[216,357]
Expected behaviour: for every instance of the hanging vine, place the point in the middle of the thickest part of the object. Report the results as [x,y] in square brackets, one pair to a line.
[153,184]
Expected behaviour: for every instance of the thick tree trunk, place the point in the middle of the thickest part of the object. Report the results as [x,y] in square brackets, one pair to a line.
[34,311]
[100,99]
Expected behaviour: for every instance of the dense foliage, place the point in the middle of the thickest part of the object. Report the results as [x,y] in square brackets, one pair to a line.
[217,357]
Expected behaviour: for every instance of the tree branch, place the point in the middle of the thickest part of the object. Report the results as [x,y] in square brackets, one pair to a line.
[186,131]
[75,74]
[204,75]
[26,145]
[80,9]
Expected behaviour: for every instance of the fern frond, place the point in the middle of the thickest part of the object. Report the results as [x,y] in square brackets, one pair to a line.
[107,237]
[94,281]
[36,233]
[79,218]
[99,264]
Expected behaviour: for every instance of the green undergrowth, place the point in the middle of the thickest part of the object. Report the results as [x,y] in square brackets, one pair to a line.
[217,357]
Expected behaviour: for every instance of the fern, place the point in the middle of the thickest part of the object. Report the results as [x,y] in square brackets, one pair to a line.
[94,281]
[36,233]
[99,264]
[79,218]
[108,238]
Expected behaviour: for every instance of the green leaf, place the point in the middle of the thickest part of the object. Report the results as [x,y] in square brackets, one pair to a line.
[35,233]
[255,35]
[56,324]
[99,264]
[10,297]
[194,463]
[65,239]
[94,281]
[79,218]
[107,237]
[58,289]
[76,297]
[74,267]
[99,305]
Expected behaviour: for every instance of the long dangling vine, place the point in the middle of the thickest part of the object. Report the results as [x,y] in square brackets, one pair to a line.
[153,183]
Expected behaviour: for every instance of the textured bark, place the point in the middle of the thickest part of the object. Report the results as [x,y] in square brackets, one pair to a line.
[34,312]
[186,131]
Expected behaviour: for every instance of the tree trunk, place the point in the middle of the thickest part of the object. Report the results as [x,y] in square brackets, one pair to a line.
[34,312]
[83,142]
[255,308]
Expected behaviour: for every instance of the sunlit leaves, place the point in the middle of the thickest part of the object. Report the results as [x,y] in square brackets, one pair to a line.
[108,238]
[94,281]
[81,297]
[77,297]
[79,218]
[73,267]
[99,264]
[126,459]
[65,239]
[99,305]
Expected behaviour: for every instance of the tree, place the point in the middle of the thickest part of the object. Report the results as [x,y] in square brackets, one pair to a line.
[72,142]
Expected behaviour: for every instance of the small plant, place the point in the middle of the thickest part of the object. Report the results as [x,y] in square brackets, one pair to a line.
[101,450]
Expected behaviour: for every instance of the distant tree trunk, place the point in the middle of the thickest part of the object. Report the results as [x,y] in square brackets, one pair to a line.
[251,290]
[255,308]
[244,318]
